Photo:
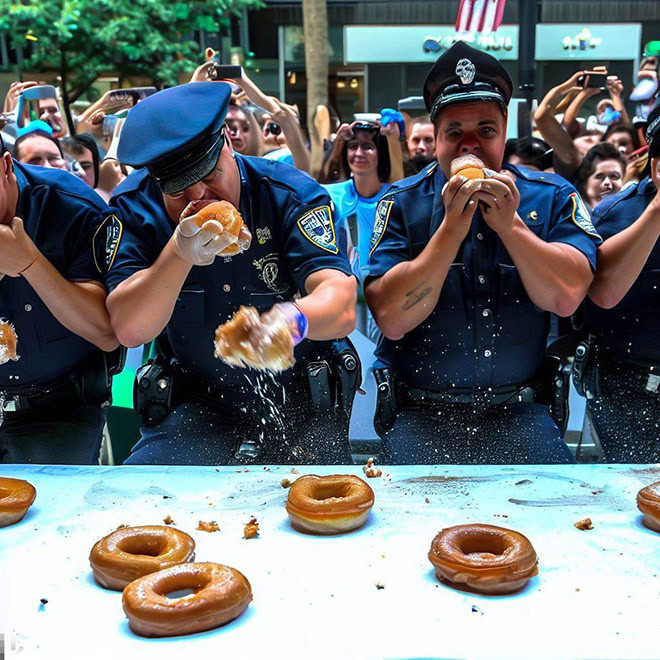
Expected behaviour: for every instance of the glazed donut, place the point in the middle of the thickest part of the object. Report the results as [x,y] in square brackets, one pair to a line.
[227,215]
[648,502]
[220,594]
[16,497]
[131,552]
[468,166]
[8,341]
[235,342]
[486,558]
[329,505]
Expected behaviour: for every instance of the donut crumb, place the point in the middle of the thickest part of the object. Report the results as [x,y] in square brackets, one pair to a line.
[44,601]
[294,471]
[584,524]
[211,526]
[285,483]
[380,585]
[168,520]
[123,526]
[251,529]
[371,470]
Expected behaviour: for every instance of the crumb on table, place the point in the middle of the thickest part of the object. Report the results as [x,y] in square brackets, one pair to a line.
[168,520]
[251,529]
[286,482]
[584,524]
[211,526]
[371,470]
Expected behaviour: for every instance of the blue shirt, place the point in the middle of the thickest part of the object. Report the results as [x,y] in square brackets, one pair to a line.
[484,331]
[293,236]
[282,155]
[631,329]
[65,218]
[354,220]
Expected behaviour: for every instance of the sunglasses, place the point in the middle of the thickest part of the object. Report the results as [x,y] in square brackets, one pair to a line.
[273,129]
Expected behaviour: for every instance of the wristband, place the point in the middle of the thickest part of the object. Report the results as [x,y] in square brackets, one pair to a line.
[297,320]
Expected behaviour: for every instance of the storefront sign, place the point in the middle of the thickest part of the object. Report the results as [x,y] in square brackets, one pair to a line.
[420,43]
[588,42]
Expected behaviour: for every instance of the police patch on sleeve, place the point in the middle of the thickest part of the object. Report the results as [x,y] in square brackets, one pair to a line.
[581,217]
[317,227]
[106,243]
[380,223]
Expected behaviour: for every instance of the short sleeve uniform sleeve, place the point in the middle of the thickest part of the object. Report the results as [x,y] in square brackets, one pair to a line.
[389,241]
[311,239]
[572,224]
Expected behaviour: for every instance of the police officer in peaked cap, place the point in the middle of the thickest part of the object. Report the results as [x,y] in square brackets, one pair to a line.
[463,276]
[618,366]
[57,239]
[177,283]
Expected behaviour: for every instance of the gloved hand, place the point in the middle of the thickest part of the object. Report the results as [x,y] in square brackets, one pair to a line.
[199,246]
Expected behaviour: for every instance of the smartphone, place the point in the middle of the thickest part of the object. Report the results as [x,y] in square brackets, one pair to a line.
[136,93]
[639,153]
[593,79]
[228,72]
[39,92]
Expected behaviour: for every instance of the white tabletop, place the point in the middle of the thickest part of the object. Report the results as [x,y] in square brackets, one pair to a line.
[597,594]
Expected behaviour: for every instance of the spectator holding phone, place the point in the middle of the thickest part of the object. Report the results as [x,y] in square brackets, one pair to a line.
[366,156]
[621,380]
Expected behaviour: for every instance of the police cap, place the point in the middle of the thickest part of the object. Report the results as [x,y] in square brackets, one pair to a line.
[463,74]
[177,133]
[653,131]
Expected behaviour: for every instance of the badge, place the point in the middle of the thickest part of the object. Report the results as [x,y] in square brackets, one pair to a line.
[581,216]
[263,235]
[106,243]
[269,269]
[380,223]
[533,216]
[317,227]
[466,71]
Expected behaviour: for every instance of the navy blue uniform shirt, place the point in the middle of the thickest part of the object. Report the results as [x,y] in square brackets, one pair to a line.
[631,329]
[485,331]
[293,236]
[65,218]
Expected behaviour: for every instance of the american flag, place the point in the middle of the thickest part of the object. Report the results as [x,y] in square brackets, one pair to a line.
[479,16]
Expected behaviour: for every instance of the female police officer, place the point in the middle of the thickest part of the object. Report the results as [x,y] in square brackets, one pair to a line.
[51,290]
[462,276]
[622,376]
[166,279]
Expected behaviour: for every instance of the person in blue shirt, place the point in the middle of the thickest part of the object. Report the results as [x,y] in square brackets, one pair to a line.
[462,277]
[177,283]
[622,316]
[366,156]
[57,238]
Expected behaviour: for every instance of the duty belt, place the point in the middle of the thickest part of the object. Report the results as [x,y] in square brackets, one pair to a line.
[58,392]
[481,397]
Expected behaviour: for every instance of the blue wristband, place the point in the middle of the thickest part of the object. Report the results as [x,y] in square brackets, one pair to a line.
[301,323]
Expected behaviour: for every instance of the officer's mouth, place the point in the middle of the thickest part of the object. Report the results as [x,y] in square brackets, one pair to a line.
[196,206]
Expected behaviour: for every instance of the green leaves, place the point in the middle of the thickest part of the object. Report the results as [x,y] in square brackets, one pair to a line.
[131,37]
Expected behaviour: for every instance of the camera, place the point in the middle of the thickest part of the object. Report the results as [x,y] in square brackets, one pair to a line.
[593,79]
[273,129]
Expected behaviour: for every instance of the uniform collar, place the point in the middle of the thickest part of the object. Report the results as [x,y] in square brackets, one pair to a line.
[646,186]
[23,184]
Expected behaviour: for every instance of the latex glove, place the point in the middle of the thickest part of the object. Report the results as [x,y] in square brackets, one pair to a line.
[199,246]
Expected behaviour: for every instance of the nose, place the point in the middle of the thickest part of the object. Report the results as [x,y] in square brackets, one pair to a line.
[607,183]
[196,191]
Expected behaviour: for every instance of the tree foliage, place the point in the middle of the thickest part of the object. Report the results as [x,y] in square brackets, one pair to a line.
[82,39]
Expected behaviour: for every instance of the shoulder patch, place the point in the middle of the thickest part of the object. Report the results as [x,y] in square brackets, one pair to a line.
[106,243]
[383,211]
[581,217]
[317,227]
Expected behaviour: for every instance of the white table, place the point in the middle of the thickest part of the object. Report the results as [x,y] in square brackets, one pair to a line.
[597,594]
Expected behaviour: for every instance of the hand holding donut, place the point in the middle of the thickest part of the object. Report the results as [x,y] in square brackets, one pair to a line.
[8,342]
[263,342]
[214,229]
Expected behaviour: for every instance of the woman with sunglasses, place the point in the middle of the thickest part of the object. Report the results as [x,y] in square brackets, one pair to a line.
[366,156]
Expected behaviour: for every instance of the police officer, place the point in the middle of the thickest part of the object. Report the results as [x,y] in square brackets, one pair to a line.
[463,275]
[620,365]
[52,399]
[165,279]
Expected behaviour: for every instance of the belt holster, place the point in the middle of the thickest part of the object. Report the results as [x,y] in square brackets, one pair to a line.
[153,387]
[554,389]
[585,369]
[386,410]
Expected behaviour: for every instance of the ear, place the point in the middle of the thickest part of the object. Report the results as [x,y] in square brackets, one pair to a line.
[7,164]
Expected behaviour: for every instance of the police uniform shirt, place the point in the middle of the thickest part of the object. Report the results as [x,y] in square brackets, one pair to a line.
[631,329]
[293,235]
[65,218]
[485,331]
